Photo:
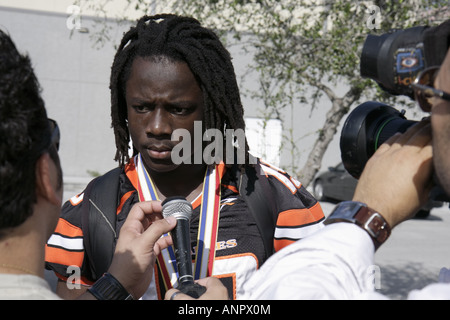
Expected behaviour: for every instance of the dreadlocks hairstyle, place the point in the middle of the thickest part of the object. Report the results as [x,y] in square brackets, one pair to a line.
[180,39]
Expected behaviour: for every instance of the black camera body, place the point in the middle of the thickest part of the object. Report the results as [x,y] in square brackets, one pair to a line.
[393,60]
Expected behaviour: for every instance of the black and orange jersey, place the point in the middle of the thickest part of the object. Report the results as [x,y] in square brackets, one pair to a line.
[239,247]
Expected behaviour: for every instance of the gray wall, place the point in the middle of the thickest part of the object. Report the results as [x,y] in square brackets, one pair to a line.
[75,78]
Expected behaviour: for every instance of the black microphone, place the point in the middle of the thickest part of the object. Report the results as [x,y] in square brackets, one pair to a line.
[181,209]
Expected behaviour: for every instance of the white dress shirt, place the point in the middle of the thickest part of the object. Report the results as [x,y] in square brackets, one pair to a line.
[336,262]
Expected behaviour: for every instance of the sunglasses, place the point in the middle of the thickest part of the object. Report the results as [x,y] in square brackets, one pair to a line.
[424,90]
[45,145]
[55,137]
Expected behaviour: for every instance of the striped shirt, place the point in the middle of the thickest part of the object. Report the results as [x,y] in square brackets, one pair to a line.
[239,246]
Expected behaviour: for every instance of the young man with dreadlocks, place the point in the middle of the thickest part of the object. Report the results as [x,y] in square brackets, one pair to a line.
[172,75]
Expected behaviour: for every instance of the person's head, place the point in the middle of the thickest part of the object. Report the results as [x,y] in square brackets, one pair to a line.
[200,72]
[440,120]
[26,146]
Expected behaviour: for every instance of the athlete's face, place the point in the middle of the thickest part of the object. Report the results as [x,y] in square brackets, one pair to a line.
[161,96]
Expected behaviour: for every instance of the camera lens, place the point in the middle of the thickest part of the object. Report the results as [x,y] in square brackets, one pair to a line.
[367,127]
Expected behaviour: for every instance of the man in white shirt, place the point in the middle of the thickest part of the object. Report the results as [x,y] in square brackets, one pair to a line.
[335,262]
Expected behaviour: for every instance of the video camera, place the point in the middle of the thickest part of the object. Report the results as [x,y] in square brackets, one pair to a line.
[393,60]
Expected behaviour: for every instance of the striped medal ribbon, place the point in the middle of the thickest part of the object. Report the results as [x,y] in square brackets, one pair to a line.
[207,230]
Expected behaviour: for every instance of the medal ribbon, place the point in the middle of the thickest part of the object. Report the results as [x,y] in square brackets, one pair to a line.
[147,192]
[208,225]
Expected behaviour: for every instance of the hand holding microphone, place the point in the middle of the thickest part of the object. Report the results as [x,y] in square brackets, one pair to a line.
[181,209]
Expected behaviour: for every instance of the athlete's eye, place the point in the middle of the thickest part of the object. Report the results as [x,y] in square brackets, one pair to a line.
[142,108]
[182,108]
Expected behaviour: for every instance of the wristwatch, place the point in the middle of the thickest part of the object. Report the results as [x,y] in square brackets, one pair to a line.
[363,216]
[109,288]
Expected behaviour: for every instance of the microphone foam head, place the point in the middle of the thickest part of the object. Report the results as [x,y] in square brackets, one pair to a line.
[177,207]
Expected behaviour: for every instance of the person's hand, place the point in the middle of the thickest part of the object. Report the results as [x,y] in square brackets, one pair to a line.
[215,290]
[397,179]
[138,245]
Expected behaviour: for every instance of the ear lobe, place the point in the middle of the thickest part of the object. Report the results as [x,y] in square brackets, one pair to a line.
[46,179]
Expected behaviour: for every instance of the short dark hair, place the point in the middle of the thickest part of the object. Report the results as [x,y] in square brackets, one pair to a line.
[24,129]
[180,39]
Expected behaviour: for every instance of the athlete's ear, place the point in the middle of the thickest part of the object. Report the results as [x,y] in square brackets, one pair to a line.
[47,179]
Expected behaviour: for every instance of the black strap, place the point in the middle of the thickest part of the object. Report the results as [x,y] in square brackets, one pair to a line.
[100,201]
[254,187]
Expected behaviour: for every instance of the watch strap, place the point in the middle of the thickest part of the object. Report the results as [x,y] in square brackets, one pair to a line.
[375,225]
[366,218]
[109,288]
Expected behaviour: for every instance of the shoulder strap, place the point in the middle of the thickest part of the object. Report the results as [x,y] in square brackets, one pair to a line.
[100,201]
[255,189]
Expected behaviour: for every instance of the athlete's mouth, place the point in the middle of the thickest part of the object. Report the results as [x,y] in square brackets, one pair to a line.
[159,151]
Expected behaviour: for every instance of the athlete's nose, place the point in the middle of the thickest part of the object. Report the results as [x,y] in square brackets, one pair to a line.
[159,123]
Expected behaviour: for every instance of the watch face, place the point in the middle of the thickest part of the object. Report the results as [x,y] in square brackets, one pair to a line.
[346,210]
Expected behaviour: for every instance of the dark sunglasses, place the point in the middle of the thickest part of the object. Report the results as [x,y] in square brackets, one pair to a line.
[55,137]
[424,90]
[44,146]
